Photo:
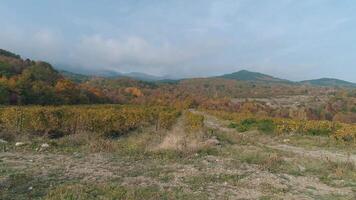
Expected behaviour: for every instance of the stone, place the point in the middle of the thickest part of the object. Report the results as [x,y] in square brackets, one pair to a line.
[44,145]
[3,141]
[19,144]
[286,140]
[212,142]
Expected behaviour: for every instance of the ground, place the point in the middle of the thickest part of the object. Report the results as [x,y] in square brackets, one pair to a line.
[214,163]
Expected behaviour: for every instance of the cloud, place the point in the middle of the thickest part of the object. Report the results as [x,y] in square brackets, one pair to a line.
[42,44]
[135,53]
[289,38]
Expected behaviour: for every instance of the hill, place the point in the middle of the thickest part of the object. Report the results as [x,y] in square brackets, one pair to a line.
[245,75]
[146,77]
[133,75]
[24,82]
[328,82]
[77,78]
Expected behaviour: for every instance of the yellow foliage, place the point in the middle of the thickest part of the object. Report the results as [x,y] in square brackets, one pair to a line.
[102,119]
[166,119]
[64,84]
[193,122]
[283,126]
[346,132]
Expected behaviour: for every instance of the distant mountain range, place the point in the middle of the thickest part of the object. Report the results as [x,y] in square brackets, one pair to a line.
[242,75]
[330,82]
[78,77]
[245,75]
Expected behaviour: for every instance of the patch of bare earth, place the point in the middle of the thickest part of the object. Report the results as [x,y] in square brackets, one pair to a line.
[318,154]
[179,140]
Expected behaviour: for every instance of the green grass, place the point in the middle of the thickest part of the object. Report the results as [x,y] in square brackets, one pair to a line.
[265,125]
[315,142]
[114,191]
[26,185]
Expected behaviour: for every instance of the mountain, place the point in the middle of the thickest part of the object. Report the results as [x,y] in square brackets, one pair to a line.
[27,82]
[329,82]
[245,75]
[77,78]
[9,54]
[146,77]
[85,75]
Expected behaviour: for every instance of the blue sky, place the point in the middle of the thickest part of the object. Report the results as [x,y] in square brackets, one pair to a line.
[294,39]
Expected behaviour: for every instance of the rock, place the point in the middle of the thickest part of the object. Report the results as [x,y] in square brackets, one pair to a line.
[44,145]
[286,140]
[301,168]
[3,141]
[211,159]
[19,144]
[212,142]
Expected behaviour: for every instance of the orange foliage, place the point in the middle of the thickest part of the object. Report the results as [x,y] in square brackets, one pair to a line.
[134,91]
[64,84]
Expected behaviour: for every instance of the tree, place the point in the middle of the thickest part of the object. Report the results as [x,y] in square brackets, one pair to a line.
[67,92]
[42,71]
[4,94]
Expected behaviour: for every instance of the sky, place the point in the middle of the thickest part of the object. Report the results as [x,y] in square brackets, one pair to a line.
[292,39]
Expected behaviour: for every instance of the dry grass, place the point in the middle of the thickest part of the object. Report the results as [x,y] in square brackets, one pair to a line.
[186,139]
[174,164]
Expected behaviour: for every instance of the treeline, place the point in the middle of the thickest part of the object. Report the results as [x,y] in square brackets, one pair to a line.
[24,82]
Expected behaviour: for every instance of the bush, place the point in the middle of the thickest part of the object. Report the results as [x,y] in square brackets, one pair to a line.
[246,125]
[166,118]
[233,125]
[193,122]
[266,126]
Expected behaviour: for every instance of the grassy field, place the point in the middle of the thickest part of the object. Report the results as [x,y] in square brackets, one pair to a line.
[198,157]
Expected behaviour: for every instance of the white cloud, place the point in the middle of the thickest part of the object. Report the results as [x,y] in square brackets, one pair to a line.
[42,44]
[137,54]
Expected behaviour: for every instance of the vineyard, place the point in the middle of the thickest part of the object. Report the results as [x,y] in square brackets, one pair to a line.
[193,122]
[245,121]
[103,120]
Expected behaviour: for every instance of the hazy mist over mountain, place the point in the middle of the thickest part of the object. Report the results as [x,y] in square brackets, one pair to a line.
[291,39]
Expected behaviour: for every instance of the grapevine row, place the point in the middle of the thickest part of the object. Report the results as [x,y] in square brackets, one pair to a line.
[283,125]
[106,120]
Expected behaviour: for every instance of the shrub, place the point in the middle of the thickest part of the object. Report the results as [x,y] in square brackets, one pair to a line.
[166,118]
[266,125]
[193,122]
